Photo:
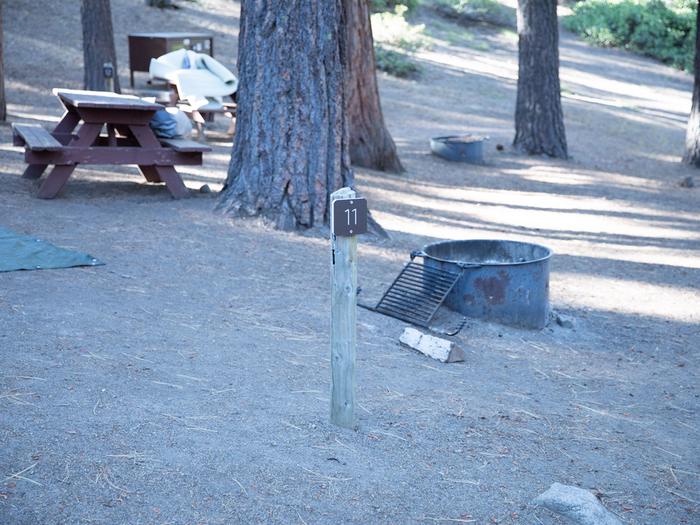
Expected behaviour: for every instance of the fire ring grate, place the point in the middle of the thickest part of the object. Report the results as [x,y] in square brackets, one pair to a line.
[417,293]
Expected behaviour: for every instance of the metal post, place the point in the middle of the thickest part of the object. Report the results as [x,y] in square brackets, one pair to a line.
[343,320]
[108,73]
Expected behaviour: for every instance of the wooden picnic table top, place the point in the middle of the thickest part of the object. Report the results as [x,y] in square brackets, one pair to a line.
[103,100]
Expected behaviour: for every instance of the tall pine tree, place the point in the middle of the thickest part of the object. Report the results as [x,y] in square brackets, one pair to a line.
[539,121]
[3,103]
[290,151]
[371,145]
[692,136]
[98,44]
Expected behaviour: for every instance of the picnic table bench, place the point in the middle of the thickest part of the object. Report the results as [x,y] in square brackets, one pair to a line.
[78,139]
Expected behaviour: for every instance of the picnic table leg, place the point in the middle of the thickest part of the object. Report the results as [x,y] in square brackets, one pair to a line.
[69,120]
[111,136]
[61,172]
[62,133]
[34,171]
[150,173]
[64,129]
[146,138]
[172,181]
[55,181]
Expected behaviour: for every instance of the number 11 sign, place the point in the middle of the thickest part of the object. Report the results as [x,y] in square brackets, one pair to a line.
[349,217]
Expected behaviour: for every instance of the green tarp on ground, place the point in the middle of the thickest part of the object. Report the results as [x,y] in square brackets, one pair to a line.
[21,252]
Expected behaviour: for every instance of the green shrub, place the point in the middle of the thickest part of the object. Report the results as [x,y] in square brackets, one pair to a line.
[396,41]
[662,30]
[392,29]
[378,6]
[395,63]
[489,11]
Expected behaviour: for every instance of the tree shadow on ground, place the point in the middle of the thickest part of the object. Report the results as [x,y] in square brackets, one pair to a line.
[468,222]
[421,190]
[517,175]
[616,64]
[595,98]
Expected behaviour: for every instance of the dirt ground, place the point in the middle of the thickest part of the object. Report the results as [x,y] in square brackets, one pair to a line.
[186,380]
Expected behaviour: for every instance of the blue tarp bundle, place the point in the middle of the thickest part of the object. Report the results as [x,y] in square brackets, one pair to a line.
[164,125]
[21,252]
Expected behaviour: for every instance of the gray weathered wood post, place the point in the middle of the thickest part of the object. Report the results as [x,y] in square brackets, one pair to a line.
[343,321]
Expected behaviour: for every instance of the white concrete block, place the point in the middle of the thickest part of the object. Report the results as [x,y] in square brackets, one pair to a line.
[435,347]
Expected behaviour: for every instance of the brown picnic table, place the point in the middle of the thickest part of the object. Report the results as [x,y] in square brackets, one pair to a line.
[78,139]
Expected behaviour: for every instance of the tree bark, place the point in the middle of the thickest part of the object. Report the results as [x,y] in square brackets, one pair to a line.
[98,44]
[290,151]
[371,145]
[3,104]
[539,122]
[692,136]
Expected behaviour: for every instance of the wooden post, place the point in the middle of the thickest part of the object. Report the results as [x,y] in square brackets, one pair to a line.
[343,321]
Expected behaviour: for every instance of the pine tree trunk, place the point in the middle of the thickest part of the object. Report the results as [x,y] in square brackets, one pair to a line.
[371,145]
[290,151]
[692,137]
[98,44]
[539,122]
[3,104]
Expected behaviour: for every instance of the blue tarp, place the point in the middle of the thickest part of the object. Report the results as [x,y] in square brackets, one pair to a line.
[21,252]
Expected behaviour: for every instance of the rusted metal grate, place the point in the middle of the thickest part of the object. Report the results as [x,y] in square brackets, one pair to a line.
[417,293]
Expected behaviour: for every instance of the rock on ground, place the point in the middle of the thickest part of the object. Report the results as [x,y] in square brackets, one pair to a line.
[577,505]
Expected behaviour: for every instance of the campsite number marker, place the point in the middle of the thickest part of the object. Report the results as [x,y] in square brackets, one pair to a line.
[348,219]
[349,216]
